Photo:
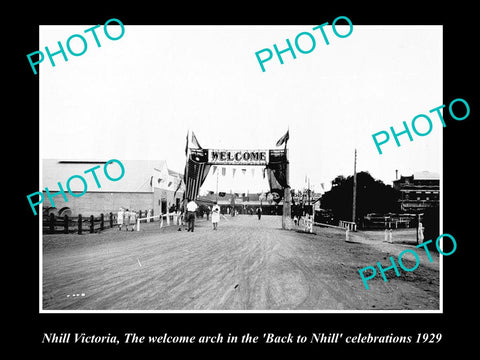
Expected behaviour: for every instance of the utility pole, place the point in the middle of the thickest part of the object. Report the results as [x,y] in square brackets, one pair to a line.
[354,187]
[308,191]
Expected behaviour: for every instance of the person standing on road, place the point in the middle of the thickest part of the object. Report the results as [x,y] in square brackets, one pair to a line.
[120,216]
[133,219]
[215,216]
[259,213]
[191,208]
[126,219]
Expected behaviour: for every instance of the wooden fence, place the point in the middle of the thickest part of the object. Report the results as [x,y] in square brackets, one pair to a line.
[53,224]
[351,226]
[394,221]
[67,224]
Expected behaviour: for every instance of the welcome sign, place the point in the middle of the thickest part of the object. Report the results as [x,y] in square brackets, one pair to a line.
[238,157]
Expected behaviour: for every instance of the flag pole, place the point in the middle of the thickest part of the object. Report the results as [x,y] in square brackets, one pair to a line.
[287,210]
[187,154]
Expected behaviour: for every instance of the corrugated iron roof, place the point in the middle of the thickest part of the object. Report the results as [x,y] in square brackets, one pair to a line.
[137,178]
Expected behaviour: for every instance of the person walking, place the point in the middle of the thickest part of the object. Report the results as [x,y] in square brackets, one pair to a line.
[191,209]
[215,216]
[259,213]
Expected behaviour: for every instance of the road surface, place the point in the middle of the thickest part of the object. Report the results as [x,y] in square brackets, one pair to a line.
[247,264]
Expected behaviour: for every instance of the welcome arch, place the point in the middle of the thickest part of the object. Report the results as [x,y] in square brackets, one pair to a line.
[275,161]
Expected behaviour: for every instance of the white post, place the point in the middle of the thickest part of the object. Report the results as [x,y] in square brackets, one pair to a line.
[346,234]
[390,240]
[168,218]
[420,233]
[138,224]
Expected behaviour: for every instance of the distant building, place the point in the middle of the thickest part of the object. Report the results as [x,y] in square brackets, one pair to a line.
[418,191]
[243,203]
[146,185]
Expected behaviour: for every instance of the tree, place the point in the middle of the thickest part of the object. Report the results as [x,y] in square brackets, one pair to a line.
[339,180]
[373,196]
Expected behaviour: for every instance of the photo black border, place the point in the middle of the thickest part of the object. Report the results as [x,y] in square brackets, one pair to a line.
[458,171]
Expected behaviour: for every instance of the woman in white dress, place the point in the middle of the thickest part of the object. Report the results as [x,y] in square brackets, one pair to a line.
[215,216]
[120,216]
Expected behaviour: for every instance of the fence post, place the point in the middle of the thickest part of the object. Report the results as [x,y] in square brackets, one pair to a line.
[51,225]
[65,224]
[111,220]
[92,224]
[80,224]
[102,222]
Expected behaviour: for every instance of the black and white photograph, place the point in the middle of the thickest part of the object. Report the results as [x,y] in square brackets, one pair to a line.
[204,126]
[306,173]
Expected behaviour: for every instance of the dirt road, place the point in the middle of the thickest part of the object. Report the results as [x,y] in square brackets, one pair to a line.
[246,264]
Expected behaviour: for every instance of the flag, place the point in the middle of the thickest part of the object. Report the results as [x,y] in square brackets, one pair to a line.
[186,145]
[195,141]
[197,173]
[283,139]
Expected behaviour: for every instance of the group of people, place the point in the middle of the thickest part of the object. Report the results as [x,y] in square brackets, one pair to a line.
[192,207]
[306,220]
[190,215]
[127,218]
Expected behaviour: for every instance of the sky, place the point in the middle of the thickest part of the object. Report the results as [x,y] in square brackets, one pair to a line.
[136,98]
